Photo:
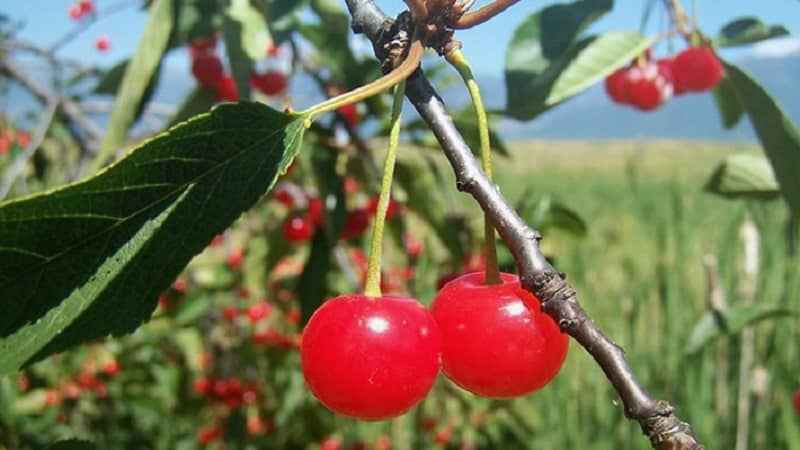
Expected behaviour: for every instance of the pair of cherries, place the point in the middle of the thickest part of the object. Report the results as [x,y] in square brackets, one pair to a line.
[647,84]
[376,358]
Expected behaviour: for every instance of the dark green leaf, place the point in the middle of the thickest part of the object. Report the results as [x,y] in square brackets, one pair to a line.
[139,75]
[246,40]
[72,444]
[281,15]
[744,176]
[731,321]
[112,82]
[312,286]
[547,62]
[748,30]
[200,100]
[728,104]
[775,130]
[544,214]
[91,259]
[194,20]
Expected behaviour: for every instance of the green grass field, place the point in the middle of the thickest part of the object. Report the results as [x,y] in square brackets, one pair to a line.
[639,274]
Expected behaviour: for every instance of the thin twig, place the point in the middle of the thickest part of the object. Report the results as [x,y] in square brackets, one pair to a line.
[70,109]
[559,300]
[21,162]
[484,14]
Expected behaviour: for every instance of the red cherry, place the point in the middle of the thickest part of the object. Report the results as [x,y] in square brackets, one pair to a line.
[111,367]
[383,443]
[273,50]
[103,43]
[86,6]
[235,259]
[180,286]
[350,114]
[350,185]
[330,443]
[5,145]
[412,245]
[316,210]
[697,69]
[355,224]
[496,341]
[209,434]
[230,313]
[284,196]
[444,435]
[207,69]
[646,87]
[298,229]
[52,397]
[75,12]
[270,83]
[226,89]
[618,85]
[370,358]
[202,386]
[23,139]
[202,46]
[259,311]
[796,401]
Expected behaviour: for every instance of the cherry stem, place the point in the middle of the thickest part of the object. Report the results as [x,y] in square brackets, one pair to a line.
[457,59]
[383,84]
[484,14]
[373,285]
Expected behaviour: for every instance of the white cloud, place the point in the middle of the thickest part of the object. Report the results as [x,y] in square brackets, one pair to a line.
[776,48]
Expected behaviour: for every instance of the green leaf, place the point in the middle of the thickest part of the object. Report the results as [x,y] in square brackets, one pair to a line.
[544,214]
[200,100]
[139,75]
[747,30]
[194,19]
[744,176]
[547,62]
[602,56]
[730,108]
[731,321]
[775,130]
[282,16]
[90,259]
[312,286]
[72,444]
[112,82]
[246,40]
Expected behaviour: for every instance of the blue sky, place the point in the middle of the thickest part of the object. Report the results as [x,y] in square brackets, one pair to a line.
[45,21]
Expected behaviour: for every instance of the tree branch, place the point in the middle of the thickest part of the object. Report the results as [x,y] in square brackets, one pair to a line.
[70,109]
[559,300]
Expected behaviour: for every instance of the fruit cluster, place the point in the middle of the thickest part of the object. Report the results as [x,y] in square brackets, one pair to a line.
[374,358]
[82,9]
[646,84]
[208,70]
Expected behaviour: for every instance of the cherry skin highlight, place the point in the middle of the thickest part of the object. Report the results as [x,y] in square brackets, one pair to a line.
[496,341]
[370,358]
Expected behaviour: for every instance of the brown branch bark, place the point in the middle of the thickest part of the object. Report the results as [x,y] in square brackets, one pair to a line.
[656,417]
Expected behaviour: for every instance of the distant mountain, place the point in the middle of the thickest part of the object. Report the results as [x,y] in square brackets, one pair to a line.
[592,115]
